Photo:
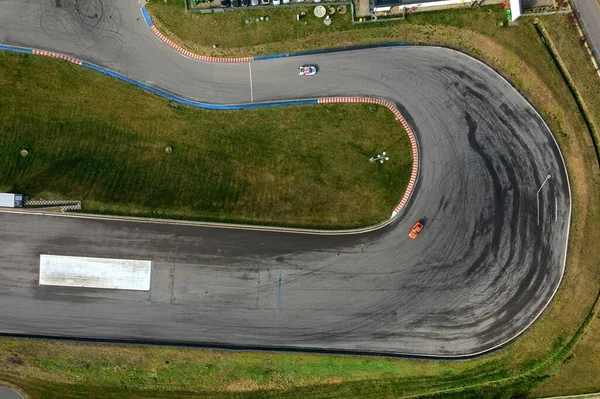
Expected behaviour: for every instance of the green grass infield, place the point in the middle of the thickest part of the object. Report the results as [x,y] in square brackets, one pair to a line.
[124,151]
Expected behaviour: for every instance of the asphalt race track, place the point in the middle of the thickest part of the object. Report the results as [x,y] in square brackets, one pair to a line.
[480,273]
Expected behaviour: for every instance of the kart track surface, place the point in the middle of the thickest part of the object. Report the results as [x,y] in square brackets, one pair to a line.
[485,266]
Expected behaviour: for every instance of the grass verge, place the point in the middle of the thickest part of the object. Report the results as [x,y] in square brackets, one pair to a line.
[45,369]
[301,166]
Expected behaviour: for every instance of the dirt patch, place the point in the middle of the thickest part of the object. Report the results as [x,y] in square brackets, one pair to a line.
[15,360]
[532,4]
[362,8]
[333,380]
[242,386]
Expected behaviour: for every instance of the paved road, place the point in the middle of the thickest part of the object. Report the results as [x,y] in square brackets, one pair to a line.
[589,15]
[7,393]
[481,272]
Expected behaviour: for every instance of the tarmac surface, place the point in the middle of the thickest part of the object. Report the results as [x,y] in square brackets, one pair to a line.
[7,393]
[483,269]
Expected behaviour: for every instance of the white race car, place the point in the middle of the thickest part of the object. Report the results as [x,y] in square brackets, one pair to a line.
[307,70]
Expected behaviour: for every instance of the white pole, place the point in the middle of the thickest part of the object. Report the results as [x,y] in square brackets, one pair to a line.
[537,195]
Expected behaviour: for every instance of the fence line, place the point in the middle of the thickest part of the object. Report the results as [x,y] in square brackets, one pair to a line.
[592,51]
[64,205]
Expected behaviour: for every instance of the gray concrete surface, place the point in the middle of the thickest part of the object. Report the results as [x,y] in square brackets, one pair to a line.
[479,274]
[532,4]
[7,393]
[588,12]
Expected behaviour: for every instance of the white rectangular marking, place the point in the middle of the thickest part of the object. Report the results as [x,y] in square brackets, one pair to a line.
[75,271]
[250,72]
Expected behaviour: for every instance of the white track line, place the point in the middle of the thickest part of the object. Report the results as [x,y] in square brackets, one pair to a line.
[250,72]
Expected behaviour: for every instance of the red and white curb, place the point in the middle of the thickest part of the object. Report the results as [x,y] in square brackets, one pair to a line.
[51,54]
[195,56]
[411,137]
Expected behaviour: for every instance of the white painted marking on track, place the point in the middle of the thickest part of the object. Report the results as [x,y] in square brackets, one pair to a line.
[77,271]
[250,72]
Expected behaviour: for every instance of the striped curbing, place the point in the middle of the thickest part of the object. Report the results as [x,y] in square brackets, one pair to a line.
[195,56]
[411,137]
[52,54]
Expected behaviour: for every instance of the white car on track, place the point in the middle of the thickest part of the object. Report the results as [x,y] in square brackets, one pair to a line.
[307,70]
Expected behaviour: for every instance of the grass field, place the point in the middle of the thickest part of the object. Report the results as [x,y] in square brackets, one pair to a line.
[544,360]
[299,166]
